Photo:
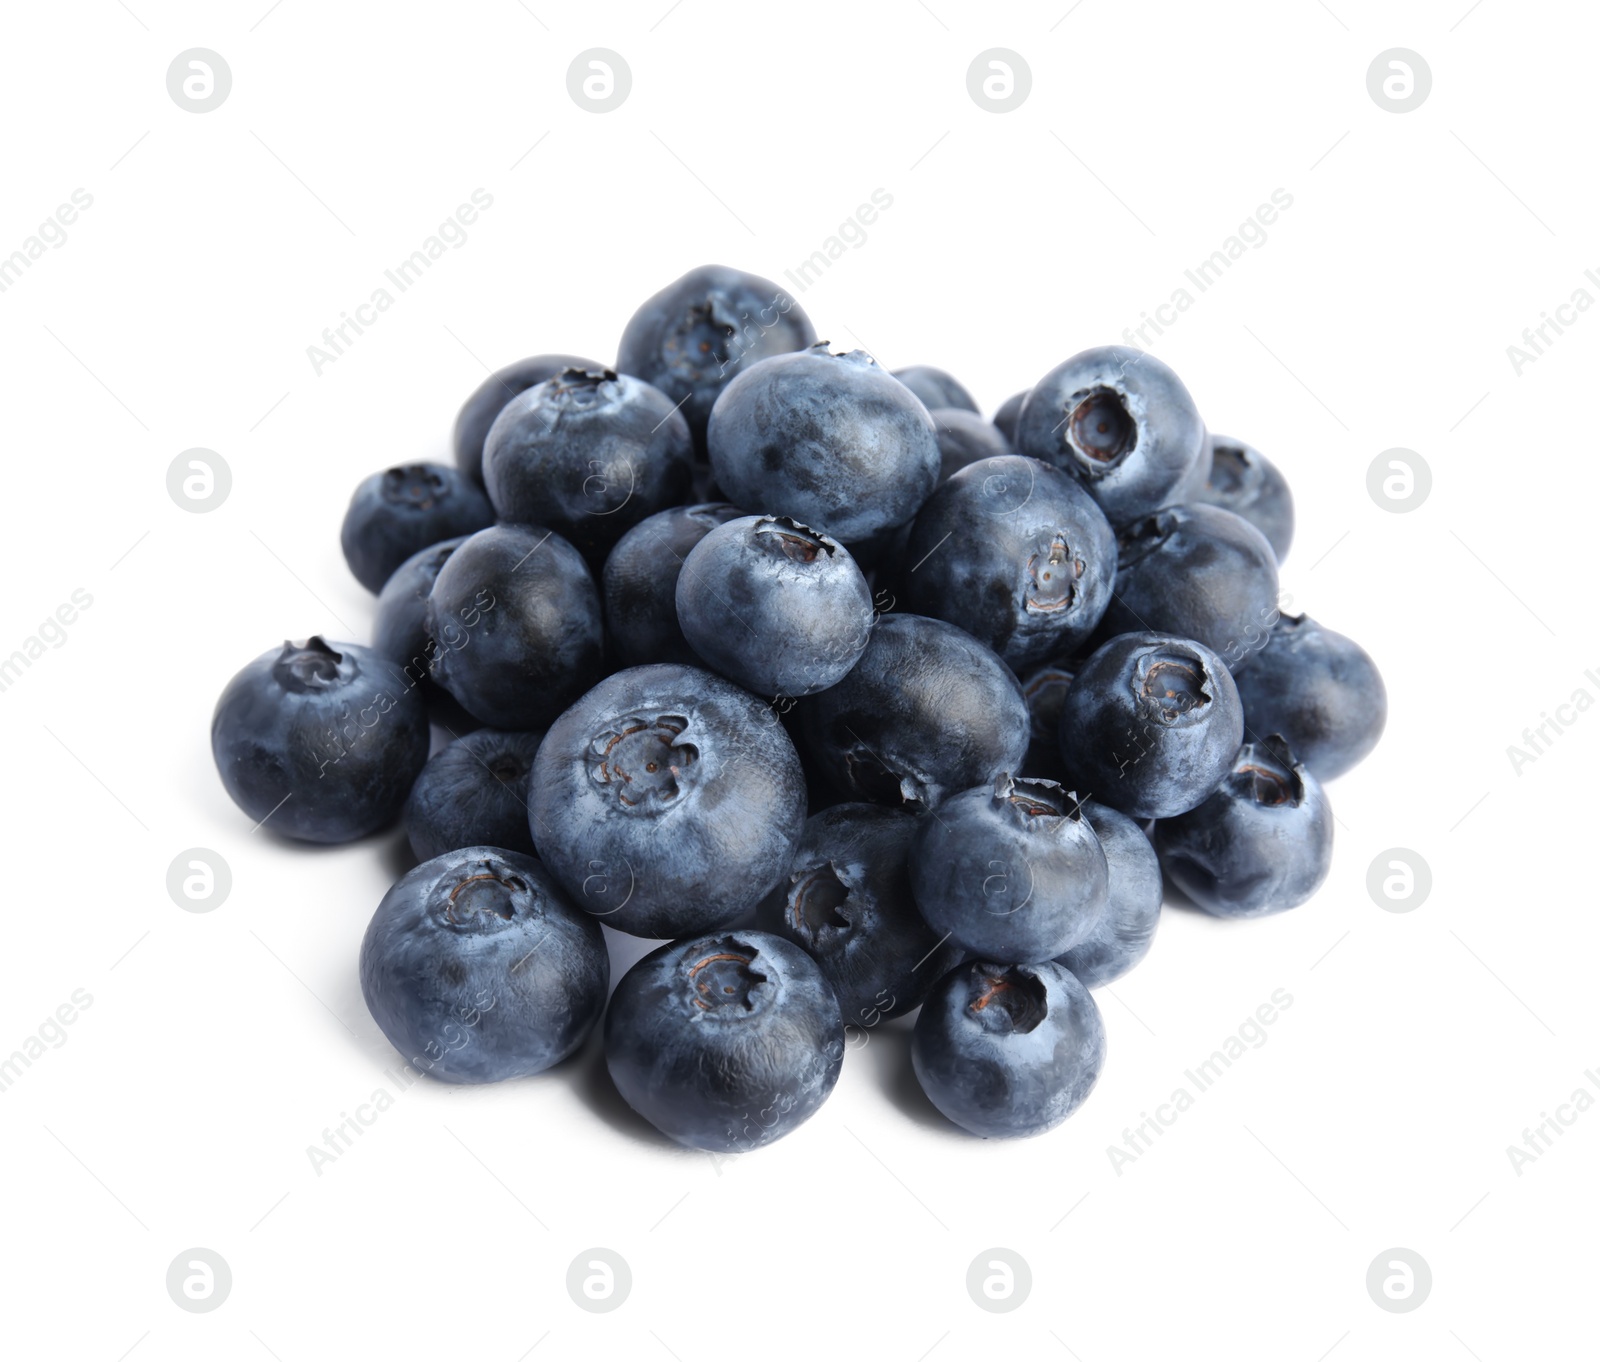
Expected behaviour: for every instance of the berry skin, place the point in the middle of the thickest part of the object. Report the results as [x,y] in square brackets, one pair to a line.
[725,1042]
[477,969]
[400,627]
[1262,842]
[490,397]
[401,511]
[965,437]
[1243,480]
[641,583]
[322,739]
[1121,422]
[935,388]
[1319,690]
[1122,936]
[774,606]
[473,793]
[1005,419]
[1011,872]
[1008,1050]
[1151,725]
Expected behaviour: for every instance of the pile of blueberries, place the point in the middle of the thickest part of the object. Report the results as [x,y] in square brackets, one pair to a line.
[734,630]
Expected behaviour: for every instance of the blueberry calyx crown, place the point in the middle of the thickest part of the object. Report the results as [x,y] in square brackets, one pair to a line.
[1100,431]
[574,387]
[1006,999]
[723,978]
[1052,576]
[699,340]
[1233,468]
[824,350]
[816,902]
[1267,772]
[1171,683]
[485,900]
[1142,536]
[642,762]
[780,535]
[875,780]
[414,485]
[1031,797]
[313,665]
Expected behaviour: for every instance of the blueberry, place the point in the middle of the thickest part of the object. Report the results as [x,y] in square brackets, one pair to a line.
[1243,480]
[830,439]
[1121,422]
[490,397]
[936,388]
[1008,1050]
[725,1042]
[641,583]
[965,437]
[774,606]
[1151,725]
[667,800]
[1260,844]
[473,793]
[589,455]
[847,902]
[1320,691]
[927,712]
[702,330]
[323,739]
[1200,572]
[400,629]
[402,511]
[1121,938]
[514,617]
[1005,420]
[1010,871]
[1045,690]
[477,969]
[1017,554]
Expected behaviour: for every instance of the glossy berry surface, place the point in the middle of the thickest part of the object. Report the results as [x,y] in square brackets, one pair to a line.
[1008,1050]
[640,583]
[725,1042]
[1200,572]
[935,388]
[403,510]
[774,606]
[926,713]
[473,793]
[1151,724]
[1011,871]
[489,398]
[829,439]
[321,740]
[1017,554]
[588,454]
[400,625]
[477,969]
[1260,844]
[691,339]
[847,903]
[1121,422]
[1243,480]
[1122,936]
[514,617]
[1320,691]
[667,800]
[965,437]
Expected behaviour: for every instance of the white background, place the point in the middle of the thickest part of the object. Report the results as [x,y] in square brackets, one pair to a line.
[219,1046]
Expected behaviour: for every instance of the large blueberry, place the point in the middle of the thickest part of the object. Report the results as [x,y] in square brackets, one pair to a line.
[477,969]
[667,800]
[1150,725]
[701,330]
[1122,936]
[400,627]
[1243,480]
[725,1042]
[847,902]
[775,606]
[1010,871]
[928,711]
[490,397]
[830,439]
[1320,690]
[322,739]
[473,793]
[1017,554]
[401,511]
[641,583]
[1261,843]
[1200,572]
[1121,422]
[1008,1050]
[588,454]
[514,617]
[964,438]
[936,388]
